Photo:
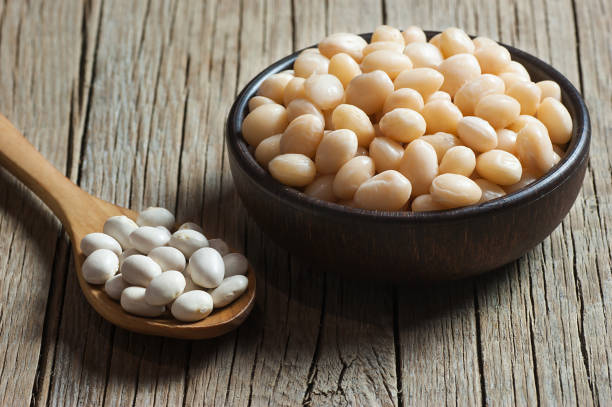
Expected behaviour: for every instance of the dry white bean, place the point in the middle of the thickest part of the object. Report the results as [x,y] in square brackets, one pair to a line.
[96,241]
[139,270]
[127,253]
[119,228]
[133,301]
[168,258]
[99,266]
[155,216]
[219,245]
[188,241]
[235,264]
[206,267]
[165,287]
[146,238]
[192,306]
[191,226]
[114,286]
[229,290]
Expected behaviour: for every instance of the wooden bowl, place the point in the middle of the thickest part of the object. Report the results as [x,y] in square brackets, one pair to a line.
[405,246]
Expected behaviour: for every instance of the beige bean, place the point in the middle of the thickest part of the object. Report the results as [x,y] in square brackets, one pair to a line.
[351,176]
[257,101]
[387,61]
[302,136]
[470,93]
[498,110]
[406,98]
[386,153]
[308,63]
[489,190]
[458,160]
[481,42]
[454,190]
[522,121]
[423,55]
[506,140]
[347,43]
[499,166]
[414,34]
[344,68]
[322,188]
[336,149]
[527,94]
[557,120]
[403,125]
[351,117]
[442,142]
[424,80]
[324,90]
[439,95]
[519,69]
[294,170]
[527,178]
[387,33]
[534,149]
[455,41]
[493,59]
[387,191]
[435,40]
[426,203]
[273,86]
[420,165]
[267,150]
[549,89]
[361,151]
[299,107]
[458,70]
[263,122]
[369,91]
[441,115]
[383,45]
[294,90]
[477,134]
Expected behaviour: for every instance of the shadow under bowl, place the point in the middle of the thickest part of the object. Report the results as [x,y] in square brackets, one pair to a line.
[407,246]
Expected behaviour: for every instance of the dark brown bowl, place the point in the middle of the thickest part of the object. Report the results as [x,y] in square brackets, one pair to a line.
[405,246]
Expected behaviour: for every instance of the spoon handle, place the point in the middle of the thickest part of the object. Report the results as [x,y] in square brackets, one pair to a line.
[22,160]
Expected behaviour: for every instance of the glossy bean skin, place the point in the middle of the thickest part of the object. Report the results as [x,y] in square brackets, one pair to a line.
[133,301]
[477,134]
[458,160]
[351,176]
[383,45]
[441,115]
[419,164]
[263,122]
[407,98]
[369,91]
[100,266]
[498,110]
[168,258]
[119,228]
[468,96]
[424,80]
[273,87]
[387,33]
[114,286]
[523,120]
[426,203]
[352,118]
[188,241]
[322,188]
[493,59]
[528,177]
[139,270]
[549,89]
[347,43]
[435,40]
[344,68]
[257,101]
[506,140]
[206,267]
[534,149]
[510,78]
[489,190]
[500,167]
[295,170]
[156,216]
[302,136]
[299,107]
[518,69]
[95,241]
[557,120]
[267,150]
[392,63]
[324,90]
[438,95]
[165,287]
[442,142]
[293,90]
[414,34]
[336,149]
[453,190]
[386,153]
[308,63]
[402,125]
[527,94]
[192,306]
[387,191]
[458,70]
[146,238]
[229,290]
[455,41]
[481,42]
[423,55]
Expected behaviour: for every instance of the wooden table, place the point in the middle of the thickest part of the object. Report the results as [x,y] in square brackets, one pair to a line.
[129,99]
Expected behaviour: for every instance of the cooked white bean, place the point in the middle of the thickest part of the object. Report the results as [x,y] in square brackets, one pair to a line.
[386,153]
[387,191]
[257,101]
[477,134]
[192,306]
[229,290]
[99,266]
[302,136]
[455,41]
[294,90]
[347,43]
[353,118]
[424,80]
[527,94]
[146,238]
[273,86]
[458,160]
[405,97]
[322,188]
[481,42]
[420,165]
[438,95]
[489,190]
[441,142]
[414,34]
[133,301]
[387,33]
[423,55]
[219,245]
[557,120]
[114,286]
[352,175]
[139,270]
[369,91]
[493,59]
[527,178]
[468,96]
[518,69]
[165,287]
[295,170]
[498,110]
[500,167]
[383,45]
[206,267]
[324,90]
[188,241]
[392,63]
[119,228]
[403,125]
[534,149]
[343,67]
[336,149]
[300,106]
[267,150]
[506,140]
[156,216]
[441,115]
[453,190]
[235,264]
[168,258]
[308,63]
[458,70]
[95,241]
[426,203]
[549,89]
[263,122]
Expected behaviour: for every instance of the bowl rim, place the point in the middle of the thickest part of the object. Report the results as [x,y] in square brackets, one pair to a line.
[576,153]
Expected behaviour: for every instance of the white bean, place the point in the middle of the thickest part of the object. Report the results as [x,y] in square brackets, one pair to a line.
[206,267]
[229,290]
[235,264]
[192,226]
[192,306]
[168,258]
[155,216]
[114,286]
[219,245]
[165,287]
[96,241]
[99,266]
[127,253]
[188,241]
[120,227]
[133,301]
[146,238]
[140,270]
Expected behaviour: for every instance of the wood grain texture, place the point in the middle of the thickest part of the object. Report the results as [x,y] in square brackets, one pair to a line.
[129,99]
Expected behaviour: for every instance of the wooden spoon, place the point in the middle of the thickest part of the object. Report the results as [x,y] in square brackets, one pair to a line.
[81,213]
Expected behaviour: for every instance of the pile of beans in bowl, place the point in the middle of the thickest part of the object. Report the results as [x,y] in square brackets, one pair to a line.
[403,123]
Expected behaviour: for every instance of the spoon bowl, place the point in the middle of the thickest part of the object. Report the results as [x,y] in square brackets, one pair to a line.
[81,214]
